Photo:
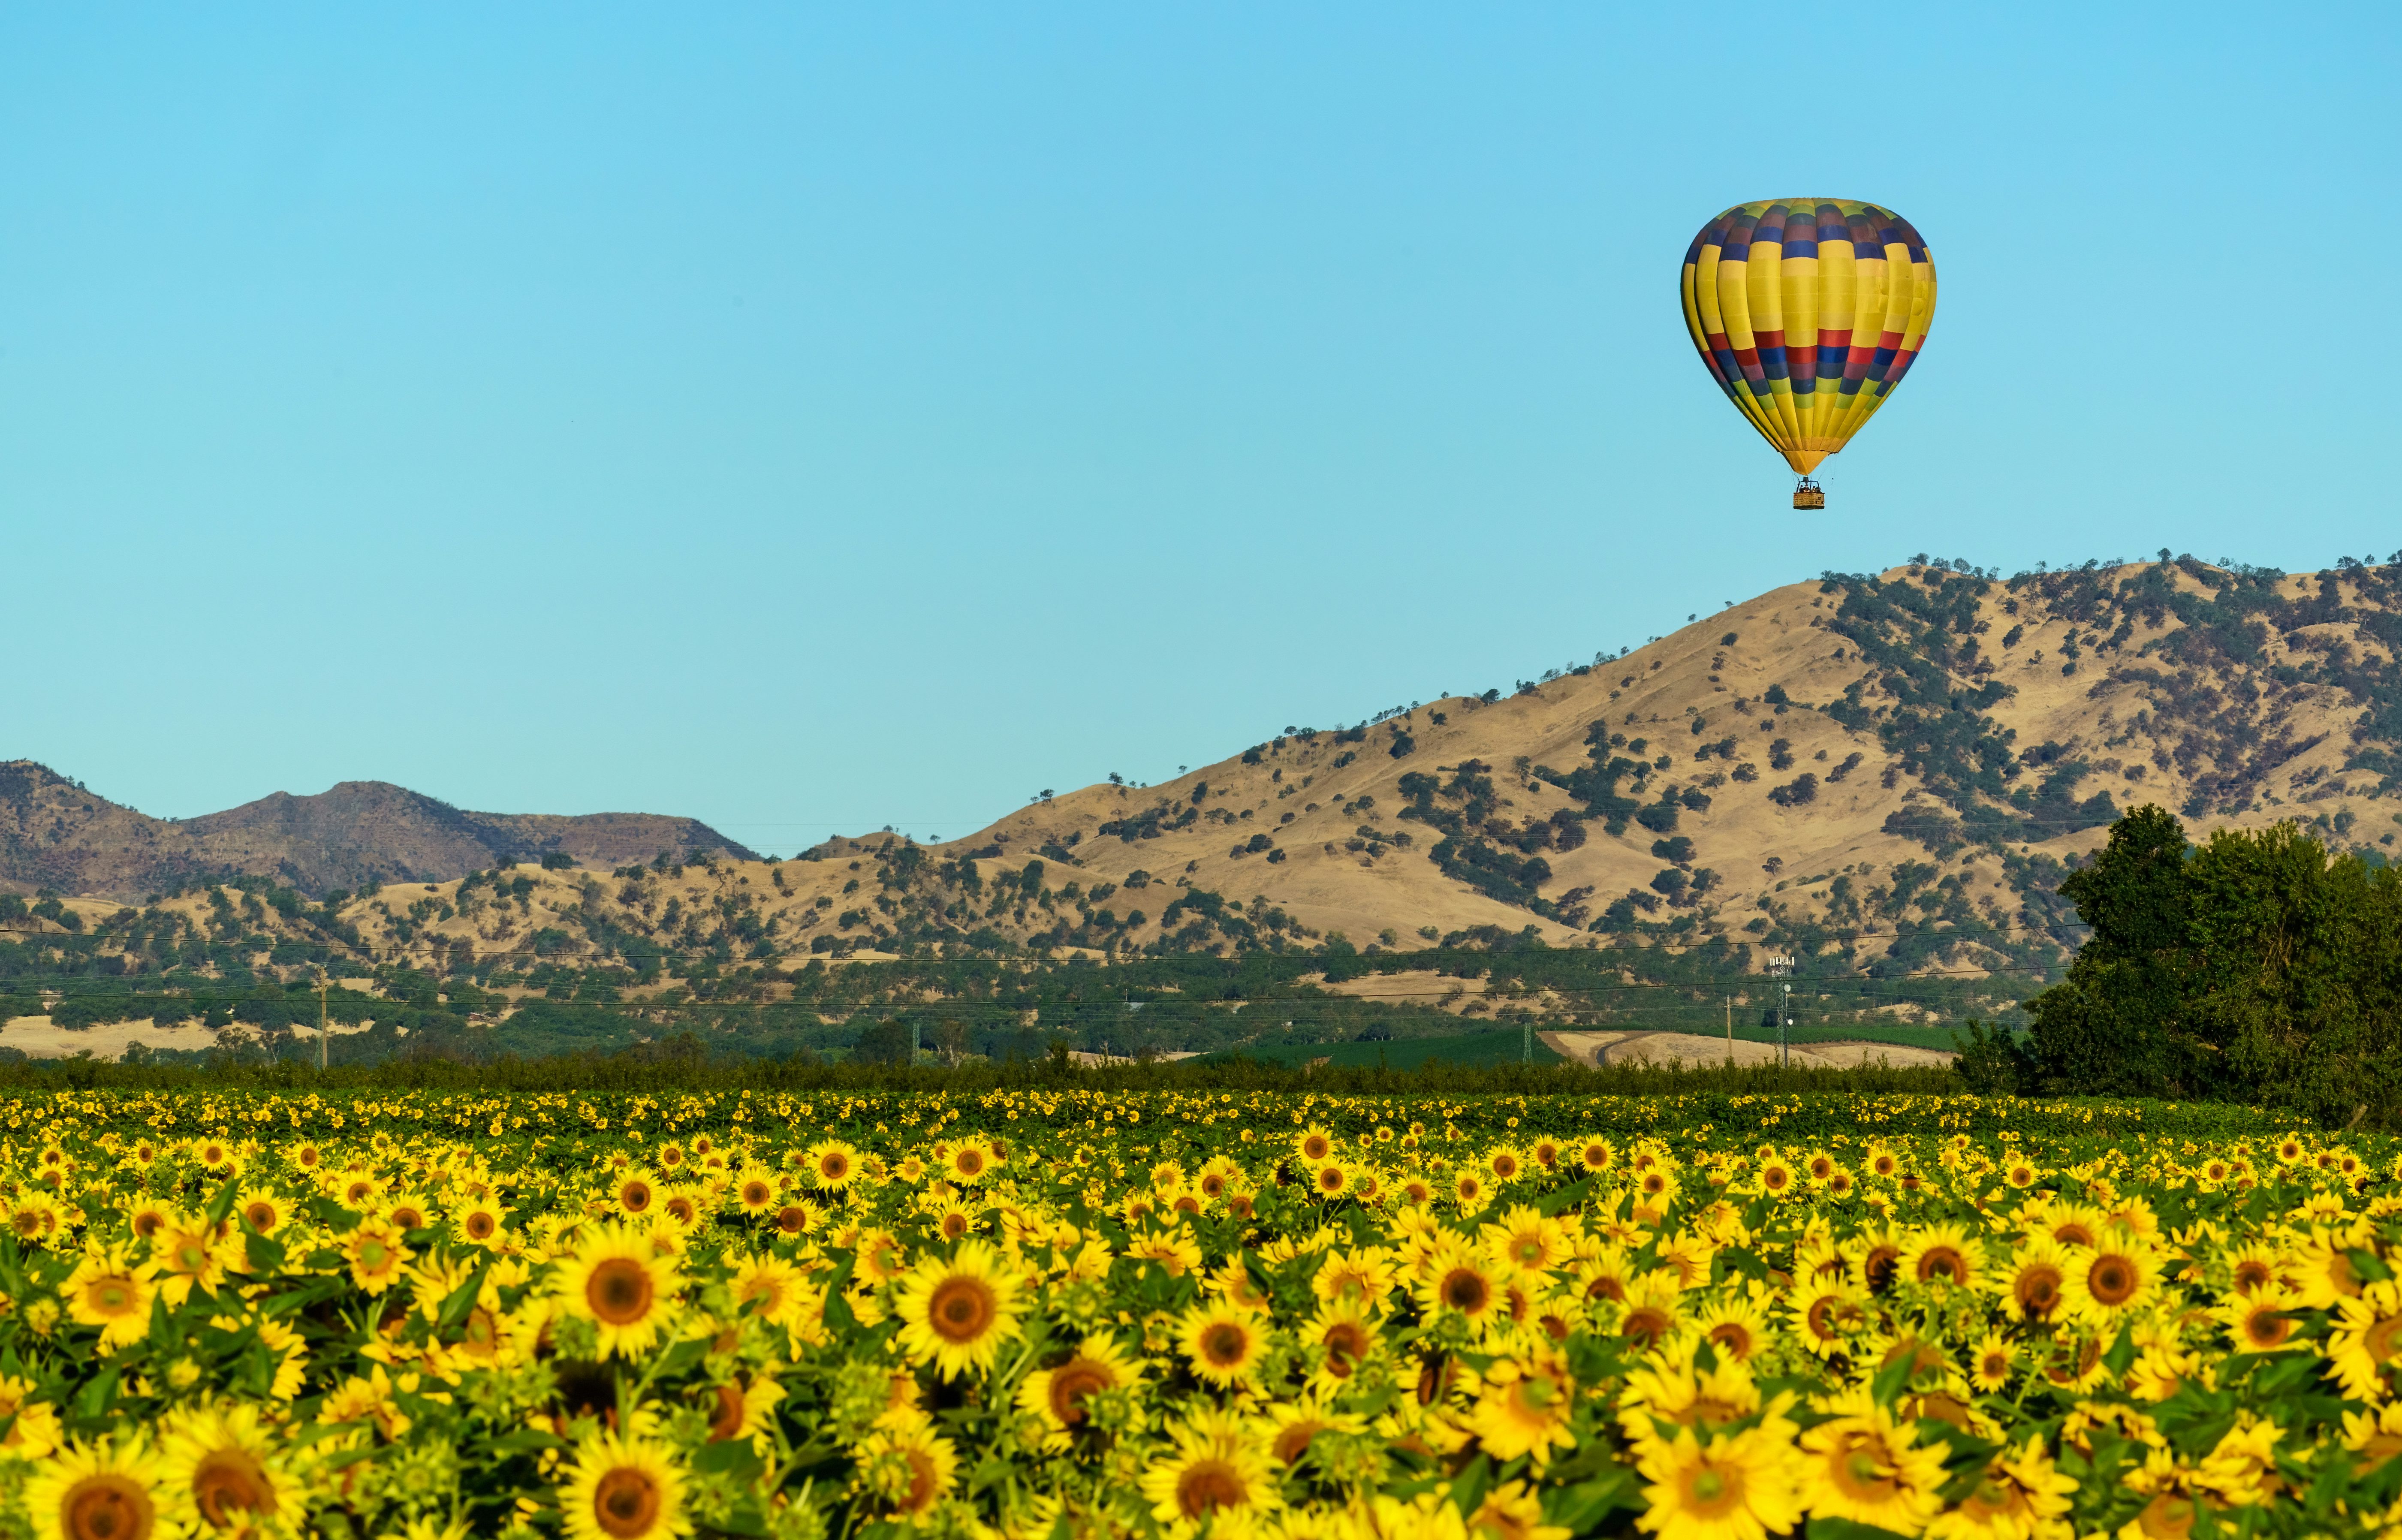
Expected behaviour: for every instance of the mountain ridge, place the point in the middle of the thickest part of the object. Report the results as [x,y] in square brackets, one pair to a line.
[56,836]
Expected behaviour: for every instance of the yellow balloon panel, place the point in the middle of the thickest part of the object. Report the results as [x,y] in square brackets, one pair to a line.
[1808,312]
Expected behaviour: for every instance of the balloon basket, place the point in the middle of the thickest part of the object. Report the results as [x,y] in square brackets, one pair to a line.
[1806,494]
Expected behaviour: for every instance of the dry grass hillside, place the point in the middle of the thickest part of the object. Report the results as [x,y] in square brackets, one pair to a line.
[1901,765]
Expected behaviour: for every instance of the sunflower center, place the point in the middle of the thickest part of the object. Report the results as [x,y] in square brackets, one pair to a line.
[1346,1344]
[1645,1326]
[1711,1491]
[2037,1289]
[1861,1474]
[635,1196]
[1291,1443]
[1206,1486]
[725,1417]
[1734,1337]
[1464,1290]
[625,1502]
[106,1506]
[2377,1340]
[2111,1281]
[1071,1382]
[260,1217]
[479,1225]
[1224,1343]
[620,1291]
[112,1296]
[1944,1263]
[961,1308]
[229,1483]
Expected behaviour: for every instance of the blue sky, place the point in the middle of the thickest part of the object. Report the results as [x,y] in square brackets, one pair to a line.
[814,420]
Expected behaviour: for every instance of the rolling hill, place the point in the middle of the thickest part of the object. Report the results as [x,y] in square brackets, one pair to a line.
[1884,775]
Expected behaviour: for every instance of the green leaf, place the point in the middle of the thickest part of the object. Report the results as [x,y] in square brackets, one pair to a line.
[461,1302]
[1580,1509]
[1566,1197]
[1468,1490]
[265,1252]
[839,1317]
[2122,1352]
[221,1204]
[1892,1378]
[1848,1529]
[2366,1265]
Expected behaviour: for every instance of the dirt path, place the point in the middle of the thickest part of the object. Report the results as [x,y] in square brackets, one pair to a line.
[1701,1052]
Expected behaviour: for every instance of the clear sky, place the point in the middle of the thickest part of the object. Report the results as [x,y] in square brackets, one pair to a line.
[815,419]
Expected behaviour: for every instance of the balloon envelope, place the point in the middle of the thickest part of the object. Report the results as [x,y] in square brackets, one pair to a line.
[1808,311]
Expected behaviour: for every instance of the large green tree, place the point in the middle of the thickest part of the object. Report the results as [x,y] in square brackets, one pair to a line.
[2255,966]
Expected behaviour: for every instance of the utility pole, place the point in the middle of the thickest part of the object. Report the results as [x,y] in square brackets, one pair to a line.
[1780,966]
[1526,1050]
[320,1021]
[1730,1009]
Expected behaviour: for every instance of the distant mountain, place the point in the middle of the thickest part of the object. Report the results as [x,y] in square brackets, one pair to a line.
[56,836]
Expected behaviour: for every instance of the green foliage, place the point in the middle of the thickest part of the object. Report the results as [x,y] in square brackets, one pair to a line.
[2254,968]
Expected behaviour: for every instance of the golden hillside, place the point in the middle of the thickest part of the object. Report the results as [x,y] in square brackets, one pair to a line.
[1832,763]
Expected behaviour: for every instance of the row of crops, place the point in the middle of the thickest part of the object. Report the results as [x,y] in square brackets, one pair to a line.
[1059,1313]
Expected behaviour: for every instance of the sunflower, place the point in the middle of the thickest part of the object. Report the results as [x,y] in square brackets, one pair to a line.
[2037,1282]
[957,1310]
[1459,1278]
[634,1193]
[1736,1328]
[1362,1277]
[1736,1487]
[1991,1362]
[905,1467]
[2367,1339]
[33,1426]
[2109,1280]
[1222,1470]
[742,1408]
[109,1291]
[97,1491]
[1651,1314]
[1223,1343]
[1058,1394]
[1530,1241]
[1504,1164]
[1943,1256]
[189,1254]
[616,1280]
[1312,1145]
[2260,1321]
[1339,1339]
[221,1470]
[2019,1496]
[1523,1409]
[769,1287]
[1867,1467]
[1672,1388]
[833,1164]
[1596,1155]
[481,1223]
[622,1489]
[972,1162]
[1295,1424]
[376,1255]
[756,1194]
[262,1209]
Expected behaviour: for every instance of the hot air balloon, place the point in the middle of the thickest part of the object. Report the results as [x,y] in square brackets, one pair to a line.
[1807,312]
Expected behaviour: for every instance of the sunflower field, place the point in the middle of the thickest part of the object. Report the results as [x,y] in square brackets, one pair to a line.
[1059,1314]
